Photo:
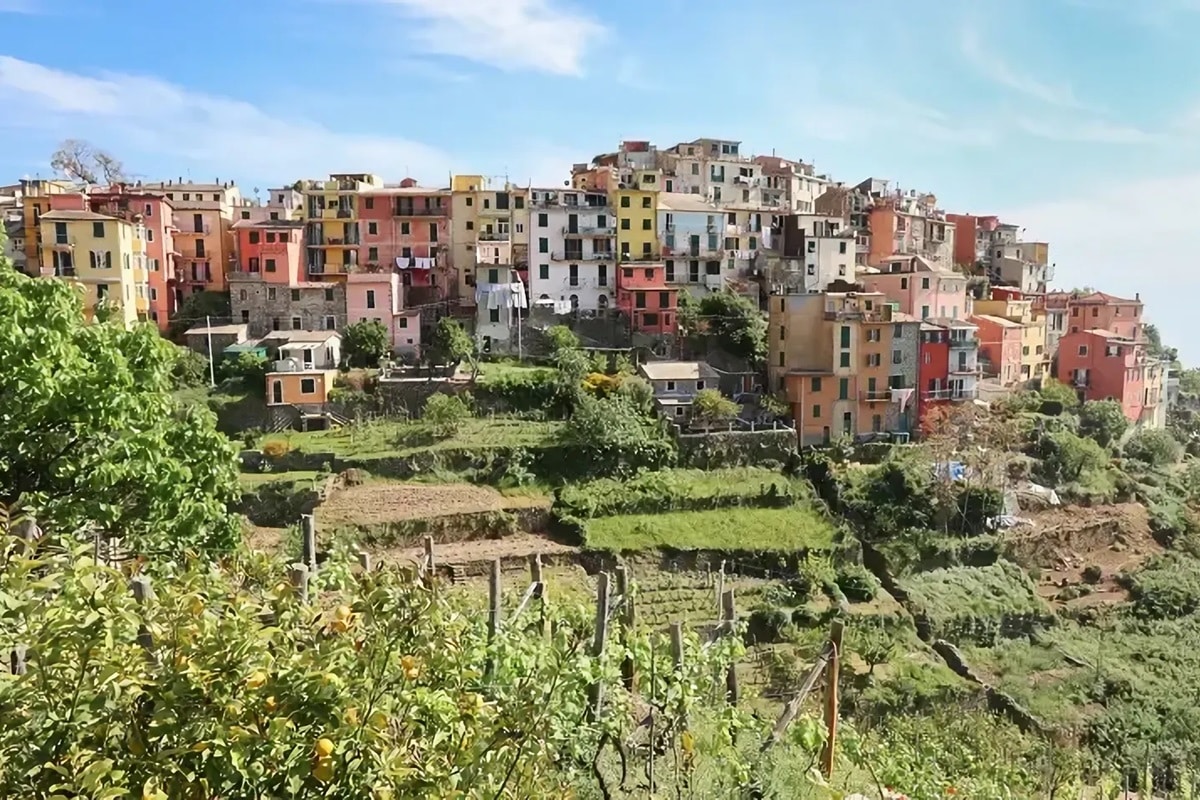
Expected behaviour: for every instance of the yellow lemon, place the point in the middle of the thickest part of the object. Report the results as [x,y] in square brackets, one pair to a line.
[135,745]
[324,747]
[381,793]
[352,716]
[270,704]
[323,770]
[343,612]
[339,626]
[379,720]
[196,606]
[409,665]
[199,747]
[256,679]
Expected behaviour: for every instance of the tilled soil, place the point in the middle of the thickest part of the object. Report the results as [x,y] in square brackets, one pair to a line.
[390,502]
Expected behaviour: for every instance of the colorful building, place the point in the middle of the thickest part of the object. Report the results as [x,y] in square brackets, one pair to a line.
[303,369]
[637,220]
[1098,310]
[1014,307]
[203,237]
[692,233]
[909,224]
[491,217]
[406,229]
[104,256]
[920,287]
[1104,365]
[332,236]
[572,248]
[1000,342]
[643,295]
[847,363]
[35,200]
[949,365]
[379,296]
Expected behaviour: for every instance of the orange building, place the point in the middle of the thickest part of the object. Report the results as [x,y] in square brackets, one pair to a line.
[203,236]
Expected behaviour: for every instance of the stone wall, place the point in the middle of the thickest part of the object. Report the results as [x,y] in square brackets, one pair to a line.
[268,307]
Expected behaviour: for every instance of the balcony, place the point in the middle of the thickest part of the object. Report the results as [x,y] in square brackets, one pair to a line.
[874,315]
[495,212]
[413,211]
[345,213]
[876,396]
[949,394]
[494,236]
[582,230]
[560,255]
[708,253]
[965,343]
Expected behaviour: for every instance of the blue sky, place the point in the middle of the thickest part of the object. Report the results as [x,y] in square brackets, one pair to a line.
[1075,118]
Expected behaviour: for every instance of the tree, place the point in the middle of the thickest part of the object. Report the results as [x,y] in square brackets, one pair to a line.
[737,325]
[365,343]
[614,438]
[247,367]
[1154,446]
[1055,391]
[1102,421]
[79,160]
[450,344]
[190,368]
[91,438]
[1065,456]
[561,338]
[688,314]
[195,309]
[446,414]
[710,407]
[1155,347]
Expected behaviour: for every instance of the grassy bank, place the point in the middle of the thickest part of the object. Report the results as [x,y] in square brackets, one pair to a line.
[761,529]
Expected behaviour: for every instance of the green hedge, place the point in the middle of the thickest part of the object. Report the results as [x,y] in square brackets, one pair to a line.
[680,490]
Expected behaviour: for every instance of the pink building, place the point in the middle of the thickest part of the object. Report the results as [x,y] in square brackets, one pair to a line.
[380,296]
[407,228]
[999,347]
[1105,312]
[271,249]
[921,289]
[1103,365]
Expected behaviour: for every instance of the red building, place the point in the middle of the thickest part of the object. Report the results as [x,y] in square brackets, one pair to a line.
[1103,365]
[643,295]
[999,347]
[407,228]
[272,249]
[1104,311]
[971,236]
[948,364]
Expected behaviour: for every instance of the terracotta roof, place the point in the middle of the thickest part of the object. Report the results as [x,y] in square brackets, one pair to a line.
[1001,321]
[1102,298]
[69,215]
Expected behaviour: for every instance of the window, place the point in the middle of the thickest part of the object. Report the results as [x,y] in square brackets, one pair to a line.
[816,412]
[647,202]
[842,248]
[149,234]
[897,356]
[625,201]
[847,423]
[274,320]
[269,264]
[543,245]
[98,230]
[874,360]
[664,299]
[573,275]
[646,224]
[924,312]
[782,333]
[816,384]
[270,292]
[543,220]
[308,386]
[296,324]
[253,237]
[845,336]
[470,201]
[295,295]
[639,300]
[602,275]
[628,273]
[329,295]
[270,236]
[242,294]
[518,201]
[404,322]
[670,386]
[844,361]
[493,276]
[372,254]
[372,228]
[781,355]
[406,228]
[1083,349]
[330,322]
[493,315]
[370,298]
[625,224]
[873,334]
[843,388]
[543,272]
[1025,350]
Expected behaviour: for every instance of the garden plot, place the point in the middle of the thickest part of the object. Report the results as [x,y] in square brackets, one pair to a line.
[383,502]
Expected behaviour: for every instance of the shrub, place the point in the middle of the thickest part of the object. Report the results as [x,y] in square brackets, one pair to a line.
[522,390]
[276,448]
[857,583]
[1153,446]
[1102,421]
[561,337]
[445,414]
[1092,574]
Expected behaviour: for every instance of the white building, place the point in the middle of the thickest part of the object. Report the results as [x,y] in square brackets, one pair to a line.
[790,186]
[715,169]
[692,233]
[572,248]
[828,251]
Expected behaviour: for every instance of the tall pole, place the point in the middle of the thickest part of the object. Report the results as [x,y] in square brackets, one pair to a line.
[212,370]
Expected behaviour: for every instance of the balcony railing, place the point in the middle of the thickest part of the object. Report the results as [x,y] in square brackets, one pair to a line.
[966,343]
[966,369]
[876,396]
[949,394]
[345,213]
[583,230]
[560,255]
[494,236]
[413,211]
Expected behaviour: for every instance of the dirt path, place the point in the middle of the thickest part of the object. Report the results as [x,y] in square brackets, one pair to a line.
[380,502]
[521,545]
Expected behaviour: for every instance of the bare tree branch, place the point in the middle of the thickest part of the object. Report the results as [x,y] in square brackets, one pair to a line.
[79,160]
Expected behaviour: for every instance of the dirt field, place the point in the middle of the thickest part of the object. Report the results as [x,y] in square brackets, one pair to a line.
[1067,540]
[390,502]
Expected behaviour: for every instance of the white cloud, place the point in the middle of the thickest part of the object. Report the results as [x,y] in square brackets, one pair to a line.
[833,120]
[1094,131]
[537,35]
[1125,237]
[130,114]
[995,69]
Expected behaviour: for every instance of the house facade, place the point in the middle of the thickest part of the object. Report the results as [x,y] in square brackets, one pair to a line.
[379,296]
[676,383]
[104,256]
[920,288]
[572,248]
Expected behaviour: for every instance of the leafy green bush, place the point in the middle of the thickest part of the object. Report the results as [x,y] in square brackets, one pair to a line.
[190,369]
[1066,457]
[977,603]
[857,583]
[1102,421]
[446,414]
[680,490]
[1154,446]
[615,439]
[1168,587]
[522,389]
[891,498]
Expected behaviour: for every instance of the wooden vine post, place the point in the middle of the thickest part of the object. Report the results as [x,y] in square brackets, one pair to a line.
[538,579]
[596,690]
[494,599]
[628,673]
[728,623]
[829,752]
[427,566]
[308,541]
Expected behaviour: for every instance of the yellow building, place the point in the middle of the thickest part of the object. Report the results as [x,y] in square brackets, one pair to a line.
[332,234]
[35,201]
[1035,357]
[494,218]
[637,218]
[103,255]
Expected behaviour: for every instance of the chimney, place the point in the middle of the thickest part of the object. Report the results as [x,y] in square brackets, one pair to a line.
[1137,296]
[180,180]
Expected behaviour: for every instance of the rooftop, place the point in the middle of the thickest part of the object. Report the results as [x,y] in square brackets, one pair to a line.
[281,338]
[70,215]
[201,330]
[1000,321]
[682,201]
[677,370]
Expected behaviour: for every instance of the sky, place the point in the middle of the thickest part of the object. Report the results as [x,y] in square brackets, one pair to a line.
[1077,119]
